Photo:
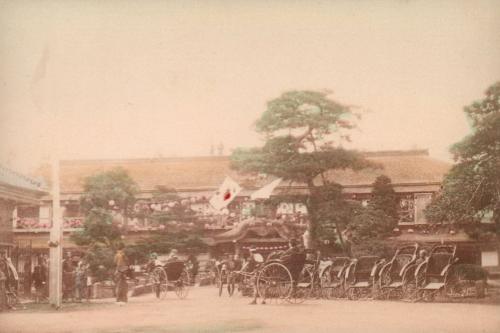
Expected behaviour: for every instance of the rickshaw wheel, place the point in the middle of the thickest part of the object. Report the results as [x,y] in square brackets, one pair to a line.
[330,284]
[160,282]
[353,293]
[274,282]
[302,288]
[182,286]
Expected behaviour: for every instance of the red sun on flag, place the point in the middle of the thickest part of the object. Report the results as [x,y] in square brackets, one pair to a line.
[227,195]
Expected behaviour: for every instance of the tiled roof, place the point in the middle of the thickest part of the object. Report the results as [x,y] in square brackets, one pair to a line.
[412,167]
[403,167]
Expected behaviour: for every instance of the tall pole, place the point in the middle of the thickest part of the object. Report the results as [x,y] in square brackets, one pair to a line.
[56,237]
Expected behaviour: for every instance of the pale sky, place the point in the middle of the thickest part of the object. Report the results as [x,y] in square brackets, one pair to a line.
[120,79]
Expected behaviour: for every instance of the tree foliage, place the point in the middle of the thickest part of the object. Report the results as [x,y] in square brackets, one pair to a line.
[384,197]
[113,189]
[174,207]
[303,131]
[471,190]
[370,226]
[105,195]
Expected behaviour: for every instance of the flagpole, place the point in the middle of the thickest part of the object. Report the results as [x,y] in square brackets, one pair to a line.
[55,243]
[56,231]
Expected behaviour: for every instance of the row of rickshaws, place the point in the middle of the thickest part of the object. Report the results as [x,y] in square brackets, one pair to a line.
[406,276]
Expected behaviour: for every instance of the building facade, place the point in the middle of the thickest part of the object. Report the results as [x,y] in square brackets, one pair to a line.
[415,176]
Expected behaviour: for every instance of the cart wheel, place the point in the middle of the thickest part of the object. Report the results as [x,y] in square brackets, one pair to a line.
[353,293]
[408,289]
[302,288]
[160,282]
[377,291]
[419,283]
[182,286]
[453,287]
[327,283]
[335,286]
[274,282]
[11,300]
[428,295]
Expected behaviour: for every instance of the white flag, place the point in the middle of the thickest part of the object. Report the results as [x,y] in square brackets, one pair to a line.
[266,191]
[225,194]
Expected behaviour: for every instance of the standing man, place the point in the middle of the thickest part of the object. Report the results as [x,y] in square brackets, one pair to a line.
[39,280]
[121,263]
[194,266]
[68,277]
[80,280]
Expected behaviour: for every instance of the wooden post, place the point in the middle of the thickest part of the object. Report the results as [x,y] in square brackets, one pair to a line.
[55,244]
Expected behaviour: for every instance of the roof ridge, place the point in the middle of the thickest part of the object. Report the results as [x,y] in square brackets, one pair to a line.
[411,152]
[143,159]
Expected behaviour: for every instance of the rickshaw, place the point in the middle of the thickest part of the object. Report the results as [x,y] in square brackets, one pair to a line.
[173,275]
[361,277]
[433,275]
[277,279]
[396,278]
[332,277]
[285,279]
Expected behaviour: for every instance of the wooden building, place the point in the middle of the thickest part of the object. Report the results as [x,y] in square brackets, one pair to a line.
[415,175]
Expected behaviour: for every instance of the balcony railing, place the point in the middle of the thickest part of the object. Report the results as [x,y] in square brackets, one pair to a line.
[35,224]
[44,224]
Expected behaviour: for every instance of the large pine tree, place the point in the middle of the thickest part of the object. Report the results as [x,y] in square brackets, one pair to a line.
[471,190]
[303,132]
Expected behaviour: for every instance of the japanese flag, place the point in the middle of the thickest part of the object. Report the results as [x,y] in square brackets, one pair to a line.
[225,194]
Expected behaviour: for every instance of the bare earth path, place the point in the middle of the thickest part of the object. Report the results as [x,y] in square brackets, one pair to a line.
[203,311]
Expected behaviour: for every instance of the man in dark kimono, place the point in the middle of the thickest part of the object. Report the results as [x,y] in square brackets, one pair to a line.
[121,263]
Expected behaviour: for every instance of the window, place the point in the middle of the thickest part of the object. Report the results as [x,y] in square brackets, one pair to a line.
[421,202]
[44,212]
[489,258]
[27,211]
[289,208]
[285,208]
[407,209]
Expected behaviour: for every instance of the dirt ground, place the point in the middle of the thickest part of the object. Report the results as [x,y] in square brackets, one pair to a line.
[203,311]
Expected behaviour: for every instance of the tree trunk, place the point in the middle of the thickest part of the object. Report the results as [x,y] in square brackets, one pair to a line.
[312,223]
